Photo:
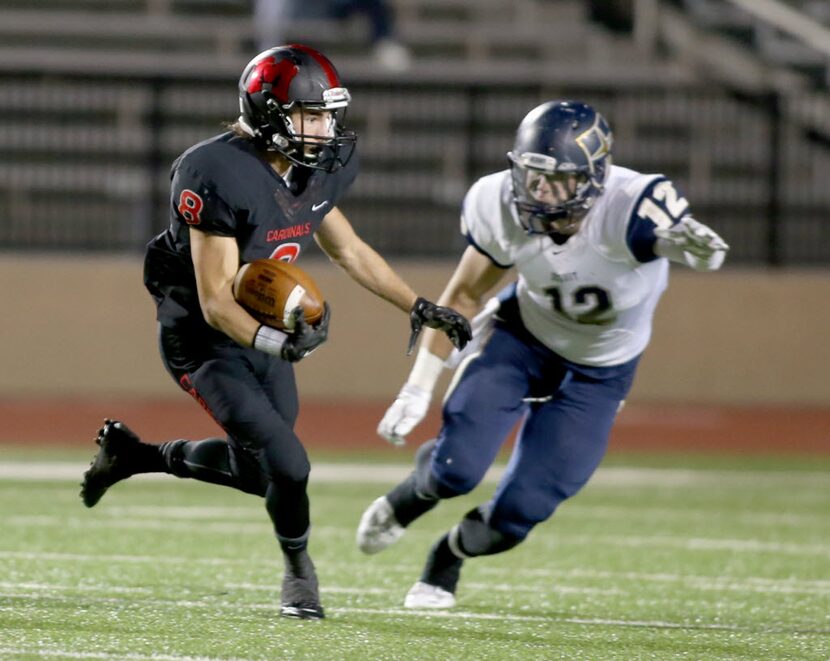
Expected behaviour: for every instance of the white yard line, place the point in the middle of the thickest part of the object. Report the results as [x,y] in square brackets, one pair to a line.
[614,512]
[106,558]
[335,614]
[219,514]
[54,587]
[126,656]
[461,615]
[531,576]
[615,476]
[192,513]
[256,528]
[750,583]
[704,544]
[187,512]
[495,587]
[447,614]
[272,607]
[218,605]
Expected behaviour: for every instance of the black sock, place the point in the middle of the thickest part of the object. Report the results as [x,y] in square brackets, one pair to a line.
[443,567]
[147,458]
[288,507]
[407,504]
[292,548]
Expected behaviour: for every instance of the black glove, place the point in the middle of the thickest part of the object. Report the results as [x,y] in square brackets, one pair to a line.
[447,320]
[305,338]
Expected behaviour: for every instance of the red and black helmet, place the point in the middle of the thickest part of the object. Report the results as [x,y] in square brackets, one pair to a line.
[283,79]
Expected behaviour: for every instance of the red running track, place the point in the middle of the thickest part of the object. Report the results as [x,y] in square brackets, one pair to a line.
[344,425]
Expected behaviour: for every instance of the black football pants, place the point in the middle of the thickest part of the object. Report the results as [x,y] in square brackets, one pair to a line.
[253,397]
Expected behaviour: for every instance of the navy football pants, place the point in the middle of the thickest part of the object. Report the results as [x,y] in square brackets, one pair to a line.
[563,436]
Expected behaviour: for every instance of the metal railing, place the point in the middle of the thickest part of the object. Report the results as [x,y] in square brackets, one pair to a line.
[84,159]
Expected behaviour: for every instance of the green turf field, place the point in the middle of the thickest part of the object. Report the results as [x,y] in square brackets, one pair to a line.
[658,558]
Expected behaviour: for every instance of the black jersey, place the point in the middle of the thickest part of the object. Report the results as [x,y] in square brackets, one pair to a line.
[223,186]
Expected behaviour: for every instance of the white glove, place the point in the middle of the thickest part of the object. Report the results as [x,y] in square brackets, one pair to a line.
[705,247]
[408,409]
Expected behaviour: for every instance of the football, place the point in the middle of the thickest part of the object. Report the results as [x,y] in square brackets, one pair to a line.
[269,289]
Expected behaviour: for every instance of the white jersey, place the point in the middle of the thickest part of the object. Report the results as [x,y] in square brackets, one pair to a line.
[591,299]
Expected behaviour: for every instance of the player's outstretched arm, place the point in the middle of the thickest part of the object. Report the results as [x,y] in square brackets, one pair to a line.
[345,248]
[692,243]
[473,278]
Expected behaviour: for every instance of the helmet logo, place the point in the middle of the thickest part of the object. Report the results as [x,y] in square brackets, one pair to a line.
[274,76]
[595,143]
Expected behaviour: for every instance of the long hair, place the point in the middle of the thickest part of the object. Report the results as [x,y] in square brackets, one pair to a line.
[236,128]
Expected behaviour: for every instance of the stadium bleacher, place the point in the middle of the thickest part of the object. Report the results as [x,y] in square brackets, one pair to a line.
[97,98]
[771,43]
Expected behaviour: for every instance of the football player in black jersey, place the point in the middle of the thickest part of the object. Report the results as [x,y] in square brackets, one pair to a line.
[263,189]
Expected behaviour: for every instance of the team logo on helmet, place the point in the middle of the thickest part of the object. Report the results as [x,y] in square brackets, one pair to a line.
[272,76]
[280,90]
[596,142]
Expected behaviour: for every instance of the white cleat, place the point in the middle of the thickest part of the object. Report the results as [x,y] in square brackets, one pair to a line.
[378,528]
[424,595]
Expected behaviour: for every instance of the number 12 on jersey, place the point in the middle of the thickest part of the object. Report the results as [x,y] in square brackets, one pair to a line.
[664,206]
[588,305]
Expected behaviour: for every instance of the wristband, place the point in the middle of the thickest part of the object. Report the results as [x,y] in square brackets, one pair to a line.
[269,340]
[426,370]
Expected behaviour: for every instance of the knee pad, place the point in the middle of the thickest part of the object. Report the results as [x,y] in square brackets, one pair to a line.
[474,537]
[423,454]
[283,467]
[426,486]
[424,482]
[290,488]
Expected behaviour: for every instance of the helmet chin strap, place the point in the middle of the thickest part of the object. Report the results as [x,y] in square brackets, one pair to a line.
[279,141]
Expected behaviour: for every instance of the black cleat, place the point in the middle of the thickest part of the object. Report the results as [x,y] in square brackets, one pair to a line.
[300,594]
[303,611]
[111,464]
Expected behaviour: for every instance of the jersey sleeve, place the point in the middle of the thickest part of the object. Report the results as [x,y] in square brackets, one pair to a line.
[197,202]
[480,224]
[658,205]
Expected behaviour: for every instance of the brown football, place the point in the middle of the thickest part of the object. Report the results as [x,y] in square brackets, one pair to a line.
[269,289]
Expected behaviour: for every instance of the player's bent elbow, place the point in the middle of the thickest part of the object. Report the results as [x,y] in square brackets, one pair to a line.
[340,257]
[212,313]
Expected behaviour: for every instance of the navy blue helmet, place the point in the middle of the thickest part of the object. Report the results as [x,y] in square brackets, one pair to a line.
[559,163]
[282,79]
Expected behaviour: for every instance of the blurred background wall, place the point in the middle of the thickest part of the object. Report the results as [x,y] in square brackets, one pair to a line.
[85,326]
[729,98]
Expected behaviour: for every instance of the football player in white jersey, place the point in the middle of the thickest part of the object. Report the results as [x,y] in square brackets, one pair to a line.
[557,349]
